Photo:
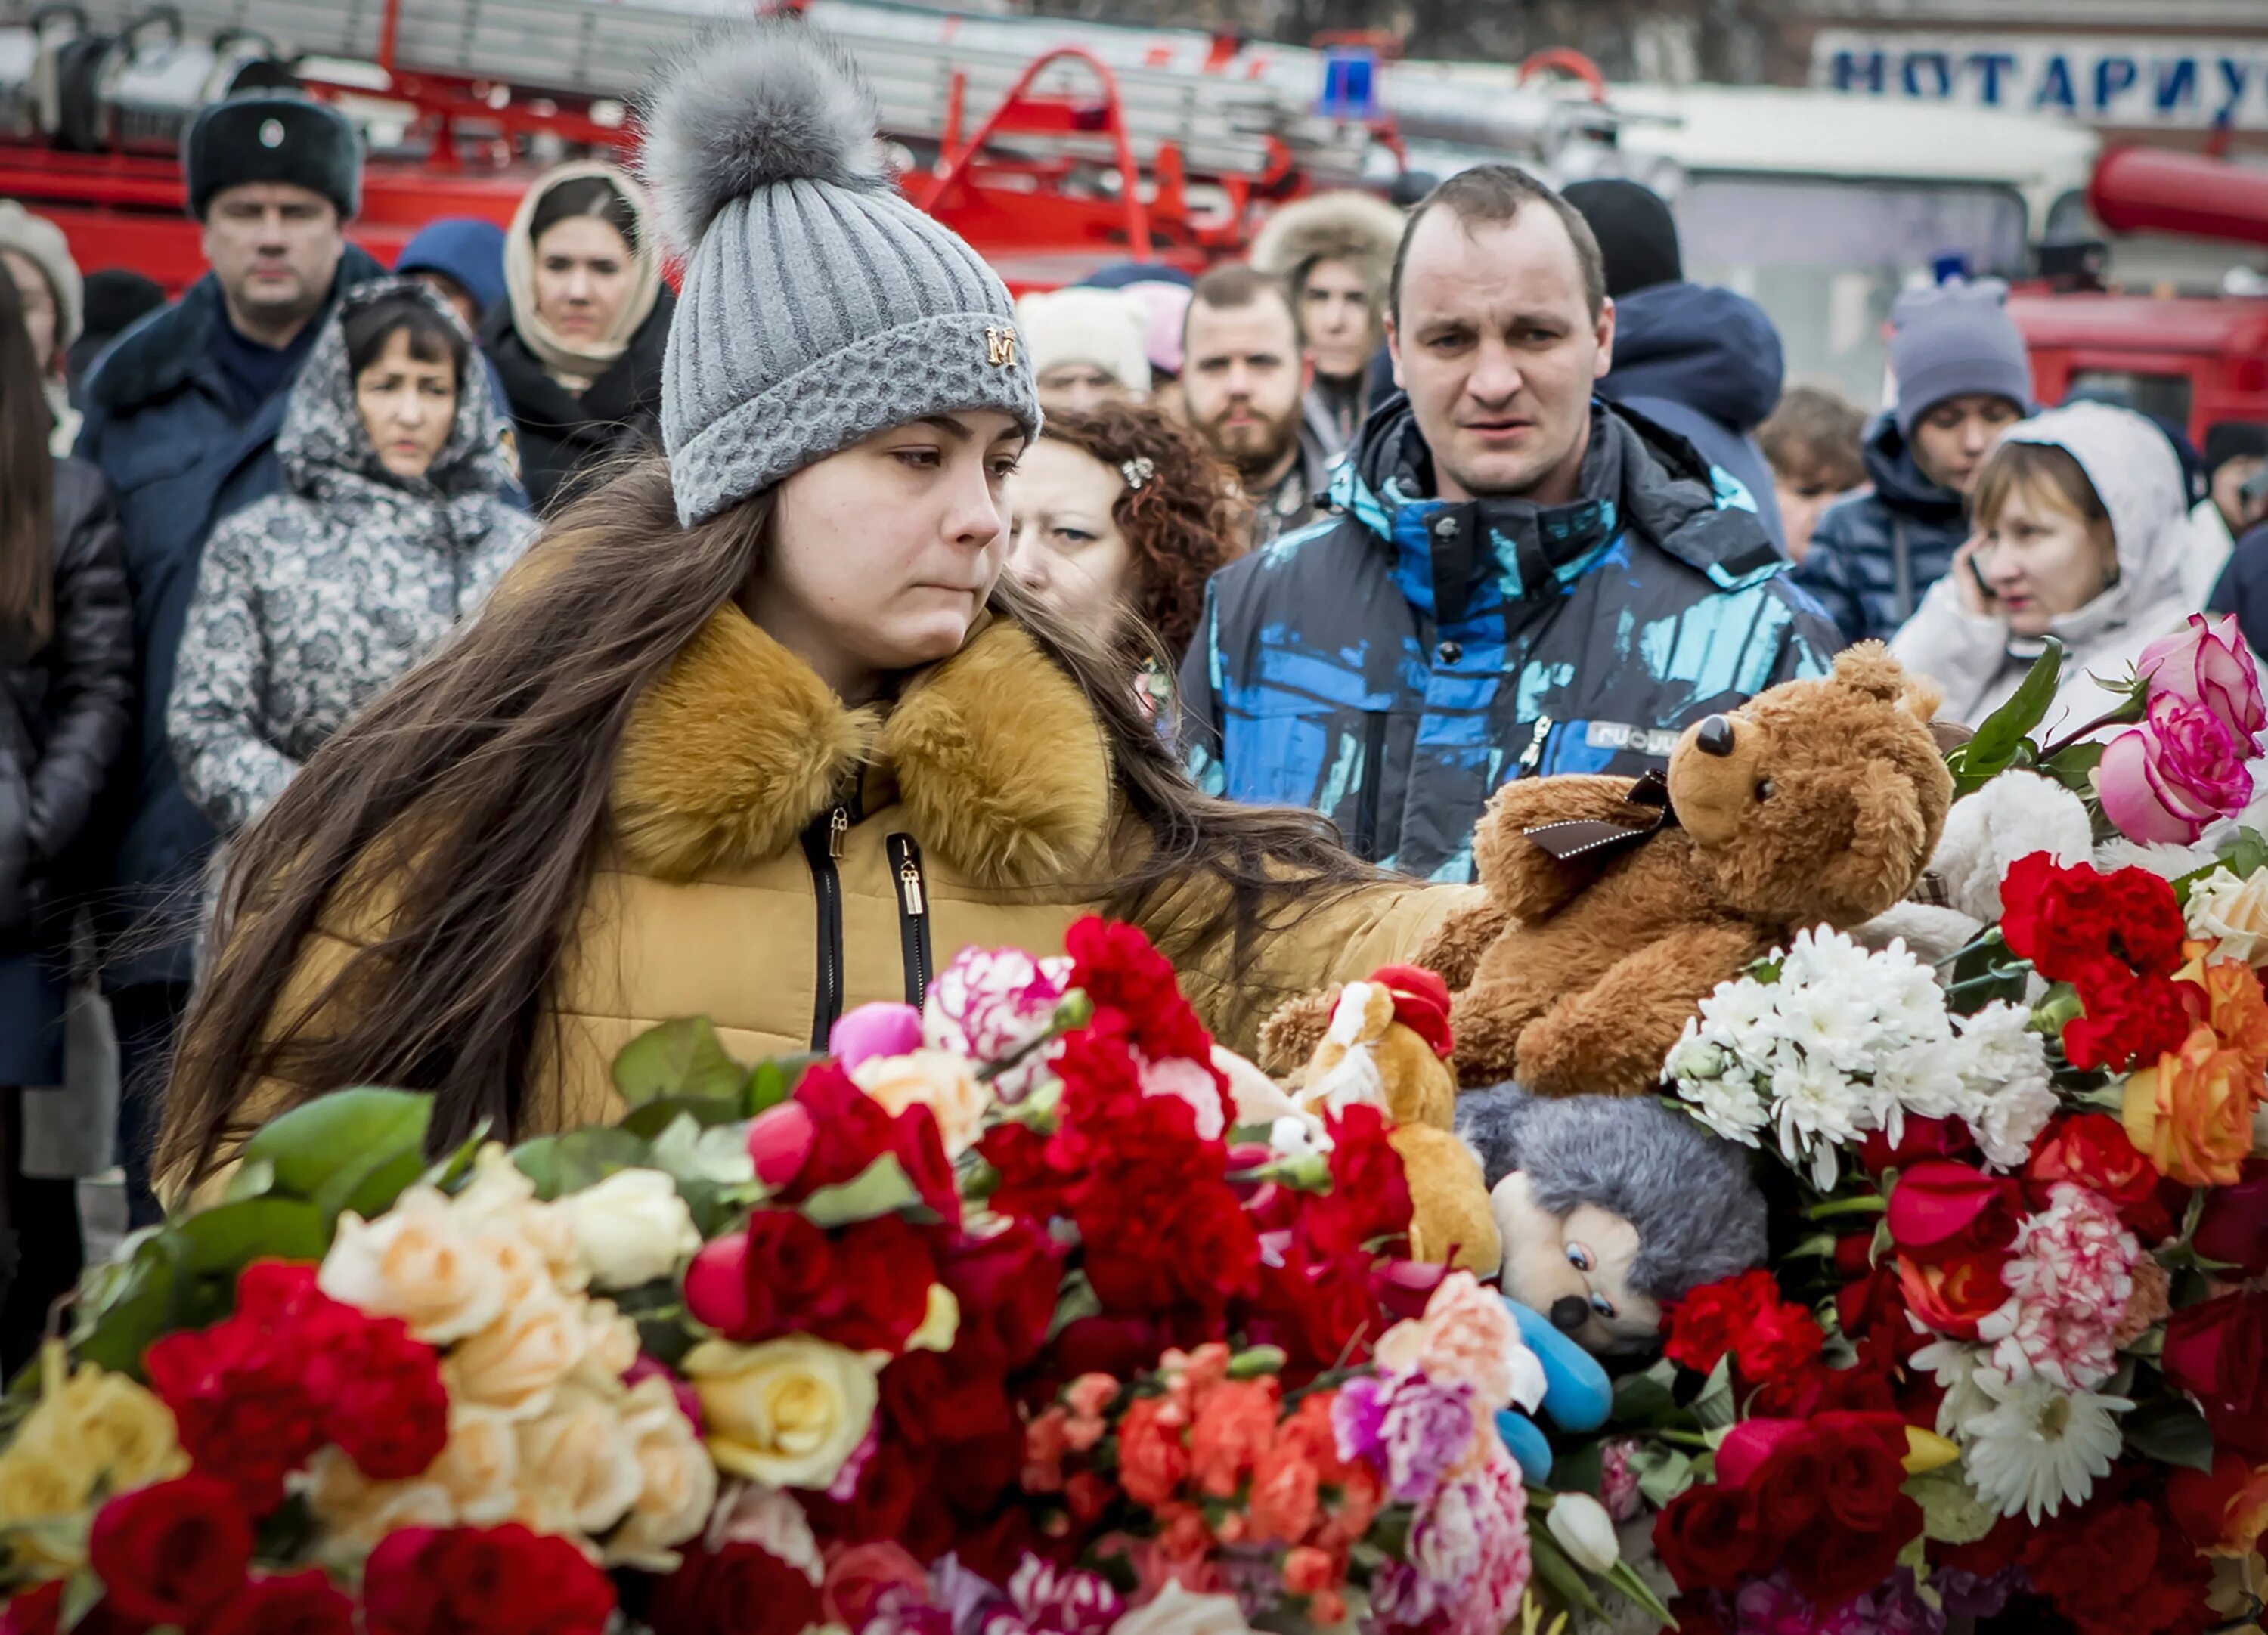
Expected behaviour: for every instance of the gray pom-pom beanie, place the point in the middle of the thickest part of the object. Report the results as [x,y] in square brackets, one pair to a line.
[817,306]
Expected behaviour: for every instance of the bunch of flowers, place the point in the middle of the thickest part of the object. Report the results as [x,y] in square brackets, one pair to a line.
[1833,1043]
[986,1324]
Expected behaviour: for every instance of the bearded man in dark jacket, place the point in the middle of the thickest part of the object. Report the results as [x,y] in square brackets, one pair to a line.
[1516,577]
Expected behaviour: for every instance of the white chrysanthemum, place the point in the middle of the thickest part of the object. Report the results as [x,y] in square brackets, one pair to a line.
[2003,1066]
[1957,1367]
[2041,1447]
[1730,1106]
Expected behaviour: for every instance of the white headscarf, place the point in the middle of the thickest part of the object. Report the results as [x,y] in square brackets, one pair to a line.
[575,365]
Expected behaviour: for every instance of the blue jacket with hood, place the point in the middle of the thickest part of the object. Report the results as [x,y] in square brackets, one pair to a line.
[1706,363]
[1396,661]
[1876,553]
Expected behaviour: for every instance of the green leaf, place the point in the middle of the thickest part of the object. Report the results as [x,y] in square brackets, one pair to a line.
[1662,1472]
[251,1180]
[567,1163]
[717,1154]
[445,1173]
[1645,1398]
[2172,1431]
[81,1595]
[883,1187]
[1626,1582]
[659,1114]
[1715,1408]
[1075,1298]
[2000,740]
[335,1146]
[2073,765]
[132,1314]
[773,1081]
[370,1188]
[2247,854]
[1562,1574]
[231,1237]
[1582,1472]
[1951,1513]
[683,1058]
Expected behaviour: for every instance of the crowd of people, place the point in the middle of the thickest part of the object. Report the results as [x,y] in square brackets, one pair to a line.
[1221,601]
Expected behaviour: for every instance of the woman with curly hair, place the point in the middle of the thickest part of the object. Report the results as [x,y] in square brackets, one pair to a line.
[1119,516]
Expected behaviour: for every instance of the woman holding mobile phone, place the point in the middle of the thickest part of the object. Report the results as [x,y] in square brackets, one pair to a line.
[2079,534]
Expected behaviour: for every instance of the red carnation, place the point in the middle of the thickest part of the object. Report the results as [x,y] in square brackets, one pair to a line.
[382,1397]
[501,1581]
[1369,1199]
[241,1401]
[171,1552]
[1743,1317]
[2065,920]
[741,1589]
[2112,1568]
[2128,1019]
[1134,991]
[298,1603]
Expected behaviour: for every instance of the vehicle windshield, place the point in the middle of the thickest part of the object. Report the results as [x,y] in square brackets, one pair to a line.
[1826,258]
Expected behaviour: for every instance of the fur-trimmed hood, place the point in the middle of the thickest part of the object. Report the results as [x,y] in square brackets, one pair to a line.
[994,753]
[1343,225]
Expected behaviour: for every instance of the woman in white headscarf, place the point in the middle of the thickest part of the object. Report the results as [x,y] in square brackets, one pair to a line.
[578,343]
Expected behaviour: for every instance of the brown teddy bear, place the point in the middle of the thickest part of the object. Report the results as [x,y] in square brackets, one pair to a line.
[1614,908]
[1388,1045]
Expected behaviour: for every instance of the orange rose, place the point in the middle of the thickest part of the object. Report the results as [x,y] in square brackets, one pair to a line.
[2234,1008]
[2192,1112]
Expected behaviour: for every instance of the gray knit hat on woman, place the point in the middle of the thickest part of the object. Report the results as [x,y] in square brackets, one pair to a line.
[819,307]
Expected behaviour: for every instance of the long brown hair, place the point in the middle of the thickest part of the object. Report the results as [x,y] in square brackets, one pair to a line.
[27,488]
[468,796]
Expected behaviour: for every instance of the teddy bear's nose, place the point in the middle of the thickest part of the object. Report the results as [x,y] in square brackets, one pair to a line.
[1715,737]
[1569,1312]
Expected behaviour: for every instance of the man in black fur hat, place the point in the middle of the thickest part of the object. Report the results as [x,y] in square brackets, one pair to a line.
[182,415]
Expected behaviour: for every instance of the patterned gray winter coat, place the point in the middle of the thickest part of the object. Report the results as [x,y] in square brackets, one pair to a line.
[311,600]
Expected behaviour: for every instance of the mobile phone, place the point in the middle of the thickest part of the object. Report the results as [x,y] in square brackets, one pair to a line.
[1977,574]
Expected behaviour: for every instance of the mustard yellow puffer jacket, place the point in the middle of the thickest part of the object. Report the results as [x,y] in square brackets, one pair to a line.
[775,857]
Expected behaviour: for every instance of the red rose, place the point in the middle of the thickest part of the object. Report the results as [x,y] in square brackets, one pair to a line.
[382,1398]
[788,1278]
[2232,1228]
[2198,1501]
[500,1580]
[2218,1352]
[298,1603]
[35,1611]
[1940,1211]
[884,1268]
[742,1589]
[170,1552]
[850,1130]
[1924,1137]
[2065,920]
[1953,1296]
[1007,1286]
[1708,1538]
[2091,1150]
[895,1479]
[1790,1488]
[931,1399]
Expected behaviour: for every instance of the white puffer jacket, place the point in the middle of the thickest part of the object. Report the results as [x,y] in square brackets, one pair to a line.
[2139,480]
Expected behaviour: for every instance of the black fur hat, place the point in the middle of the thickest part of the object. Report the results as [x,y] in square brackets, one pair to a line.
[273,136]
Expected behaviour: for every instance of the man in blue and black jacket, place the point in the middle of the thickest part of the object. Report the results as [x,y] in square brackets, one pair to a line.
[1516,577]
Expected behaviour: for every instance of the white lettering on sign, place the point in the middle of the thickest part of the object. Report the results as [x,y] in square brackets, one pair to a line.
[1655,741]
[2170,81]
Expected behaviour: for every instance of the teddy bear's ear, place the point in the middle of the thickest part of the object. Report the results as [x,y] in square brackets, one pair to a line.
[1868,667]
[1290,1033]
[1922,698]
[1889,848]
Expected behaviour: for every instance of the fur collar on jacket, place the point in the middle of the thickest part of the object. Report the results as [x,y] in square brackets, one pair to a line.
[996,756]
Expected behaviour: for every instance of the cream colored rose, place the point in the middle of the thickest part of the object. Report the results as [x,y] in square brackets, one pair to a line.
[940,1080]
[610,1348]
[939,1324]
[578,1454]
[519,1360]
[789,1411]
[753,1514]
[679,1487]
[480,1468]
[631,1229]
[1178,1612]
[417,1262]
[501,1205]
[2233,912]
[357,1513]
[91,1427]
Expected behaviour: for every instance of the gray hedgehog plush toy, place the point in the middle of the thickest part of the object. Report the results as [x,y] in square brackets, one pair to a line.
[1611,1208]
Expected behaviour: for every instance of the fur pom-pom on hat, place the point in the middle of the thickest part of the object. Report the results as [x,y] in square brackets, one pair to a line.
[748,106]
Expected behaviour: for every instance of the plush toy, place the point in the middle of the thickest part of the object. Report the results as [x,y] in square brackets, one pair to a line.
[1614,908]
[1387,1046]
[1611,1208]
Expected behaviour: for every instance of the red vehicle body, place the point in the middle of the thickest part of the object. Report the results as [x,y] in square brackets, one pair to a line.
[2195,360]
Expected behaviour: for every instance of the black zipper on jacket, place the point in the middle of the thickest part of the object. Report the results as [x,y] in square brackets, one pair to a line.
[913,915]
[1373,774]
[822,848]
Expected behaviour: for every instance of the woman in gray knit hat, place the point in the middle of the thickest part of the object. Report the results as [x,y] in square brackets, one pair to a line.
[759,730]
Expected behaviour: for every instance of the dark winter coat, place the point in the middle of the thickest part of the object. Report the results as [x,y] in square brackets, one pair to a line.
[561,433]
[164,427]
[2242,588]
[1875,553]
[1393,663]
[1706,363]
[311,600]
[64,709]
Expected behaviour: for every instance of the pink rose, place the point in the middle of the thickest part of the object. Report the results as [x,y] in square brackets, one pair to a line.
[779,1140]
[2183,767]
[883,1029]
[2208,664]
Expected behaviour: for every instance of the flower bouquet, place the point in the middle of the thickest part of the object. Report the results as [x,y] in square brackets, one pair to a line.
[2012,1358]
[987,1322]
